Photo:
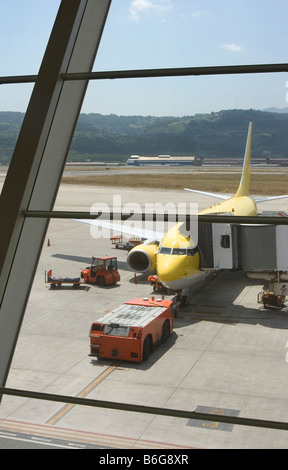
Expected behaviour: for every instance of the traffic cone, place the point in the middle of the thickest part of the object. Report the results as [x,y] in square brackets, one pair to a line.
[135,279]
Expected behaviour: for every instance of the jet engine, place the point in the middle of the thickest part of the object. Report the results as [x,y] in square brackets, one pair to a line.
[142,258]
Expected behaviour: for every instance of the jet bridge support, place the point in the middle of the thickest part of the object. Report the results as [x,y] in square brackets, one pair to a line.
[260,250]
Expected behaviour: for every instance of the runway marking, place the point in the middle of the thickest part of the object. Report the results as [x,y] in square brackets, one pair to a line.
[214,425]
[60,414]
[83,437]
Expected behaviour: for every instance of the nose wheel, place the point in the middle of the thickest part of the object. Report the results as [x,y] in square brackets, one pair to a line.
[184,301]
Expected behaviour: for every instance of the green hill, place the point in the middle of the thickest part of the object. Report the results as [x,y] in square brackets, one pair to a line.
[115,138]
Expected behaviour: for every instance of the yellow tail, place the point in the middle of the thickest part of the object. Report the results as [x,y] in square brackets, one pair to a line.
[243,189]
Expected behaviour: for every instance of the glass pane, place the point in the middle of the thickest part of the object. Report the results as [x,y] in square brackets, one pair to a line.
[164,34]
[25,28]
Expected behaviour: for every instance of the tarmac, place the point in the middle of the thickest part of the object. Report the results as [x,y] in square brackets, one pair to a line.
[227,354]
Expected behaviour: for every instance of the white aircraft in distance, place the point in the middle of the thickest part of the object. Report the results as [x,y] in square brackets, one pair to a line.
[175,255]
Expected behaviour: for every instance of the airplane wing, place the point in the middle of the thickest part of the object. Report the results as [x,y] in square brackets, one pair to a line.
[219,196]
[270,198]
[125,228]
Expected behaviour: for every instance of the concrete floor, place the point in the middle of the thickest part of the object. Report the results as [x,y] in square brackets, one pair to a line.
[227,354]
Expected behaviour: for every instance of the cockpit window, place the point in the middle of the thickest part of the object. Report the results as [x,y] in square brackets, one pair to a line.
[185,251]
[192,251]
[179,251]
[165,250]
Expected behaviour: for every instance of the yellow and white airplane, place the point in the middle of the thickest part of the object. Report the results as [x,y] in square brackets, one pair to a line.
[174,254]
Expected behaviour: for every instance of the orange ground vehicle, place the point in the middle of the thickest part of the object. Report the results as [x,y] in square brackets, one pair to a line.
[103,271]
[131,331]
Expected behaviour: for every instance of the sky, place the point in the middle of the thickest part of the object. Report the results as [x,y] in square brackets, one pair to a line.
[143,34]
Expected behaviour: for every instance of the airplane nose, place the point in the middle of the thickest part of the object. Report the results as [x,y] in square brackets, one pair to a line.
[170,268]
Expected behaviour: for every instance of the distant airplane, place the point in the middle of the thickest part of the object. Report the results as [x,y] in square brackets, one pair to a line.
[174,254]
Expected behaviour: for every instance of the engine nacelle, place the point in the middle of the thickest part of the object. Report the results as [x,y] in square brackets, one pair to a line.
[142,258]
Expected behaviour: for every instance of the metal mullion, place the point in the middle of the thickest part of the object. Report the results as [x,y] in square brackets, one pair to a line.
[179,72]
[39,159]
[234,219]
[150,73]
[194,415]
[18,79]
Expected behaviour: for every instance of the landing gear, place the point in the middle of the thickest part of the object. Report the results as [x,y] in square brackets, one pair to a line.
[184,301]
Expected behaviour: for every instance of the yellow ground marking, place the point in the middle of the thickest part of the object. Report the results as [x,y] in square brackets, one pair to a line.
[59,415]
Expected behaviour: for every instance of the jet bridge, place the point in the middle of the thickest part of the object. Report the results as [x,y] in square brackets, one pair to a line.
[260,250]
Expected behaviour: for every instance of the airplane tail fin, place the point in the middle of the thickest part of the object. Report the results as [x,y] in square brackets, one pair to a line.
[243,189]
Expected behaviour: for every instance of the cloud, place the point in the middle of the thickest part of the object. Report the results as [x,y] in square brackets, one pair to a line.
[196,14]
[193,15]
[231,47]
[139,8]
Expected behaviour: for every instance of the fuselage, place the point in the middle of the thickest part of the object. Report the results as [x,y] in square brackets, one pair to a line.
[243,205]
[178,260]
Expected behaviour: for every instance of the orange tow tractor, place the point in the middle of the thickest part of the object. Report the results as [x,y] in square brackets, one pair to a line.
[103,271]
[130,332]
